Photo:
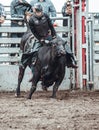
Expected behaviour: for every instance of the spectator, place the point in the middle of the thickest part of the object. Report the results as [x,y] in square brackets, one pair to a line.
[17,11]
[47,5]
[2,15]
[66,11]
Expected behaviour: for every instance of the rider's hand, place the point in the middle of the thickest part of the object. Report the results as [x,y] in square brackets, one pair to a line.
[42,41]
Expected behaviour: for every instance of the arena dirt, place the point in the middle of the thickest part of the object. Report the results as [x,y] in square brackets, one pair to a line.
[74,110]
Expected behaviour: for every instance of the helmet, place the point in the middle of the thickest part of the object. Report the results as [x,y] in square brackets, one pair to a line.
[38,7]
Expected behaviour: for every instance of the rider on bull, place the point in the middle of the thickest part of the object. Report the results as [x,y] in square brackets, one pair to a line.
[42,28]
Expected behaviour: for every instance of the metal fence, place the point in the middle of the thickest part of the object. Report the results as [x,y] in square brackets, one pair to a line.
[94,49]
[9,71]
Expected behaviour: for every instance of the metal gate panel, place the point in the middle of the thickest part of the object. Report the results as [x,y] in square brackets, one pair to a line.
[8,72]
[94,50]
[9,79]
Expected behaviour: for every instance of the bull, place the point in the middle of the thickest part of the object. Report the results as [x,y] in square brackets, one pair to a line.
[49,68]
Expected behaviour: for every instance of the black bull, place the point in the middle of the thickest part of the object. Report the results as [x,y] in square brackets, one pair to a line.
[49,68]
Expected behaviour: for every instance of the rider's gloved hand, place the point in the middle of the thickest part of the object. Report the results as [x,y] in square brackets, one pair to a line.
[42,41]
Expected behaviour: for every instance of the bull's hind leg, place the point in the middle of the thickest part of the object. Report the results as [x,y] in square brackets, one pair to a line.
[35,80]
[57,83]
[20,78]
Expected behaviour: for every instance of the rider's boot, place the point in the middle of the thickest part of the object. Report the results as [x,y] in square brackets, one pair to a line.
[70,61]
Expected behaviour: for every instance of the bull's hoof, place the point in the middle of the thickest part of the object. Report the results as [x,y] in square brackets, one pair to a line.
[54,97]
[44,88]
[17,95]
[28,97]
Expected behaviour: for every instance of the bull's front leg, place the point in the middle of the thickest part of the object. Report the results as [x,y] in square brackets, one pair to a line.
[55,88]
[20,78]
[35,80]
[32,90]
[57,84]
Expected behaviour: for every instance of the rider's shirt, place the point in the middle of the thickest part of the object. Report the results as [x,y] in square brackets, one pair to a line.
[41,26]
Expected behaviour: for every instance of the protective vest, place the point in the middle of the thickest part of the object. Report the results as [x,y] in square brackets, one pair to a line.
[41,25]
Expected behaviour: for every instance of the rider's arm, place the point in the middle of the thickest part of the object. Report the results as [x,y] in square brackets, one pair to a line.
[53,32]
[32,27]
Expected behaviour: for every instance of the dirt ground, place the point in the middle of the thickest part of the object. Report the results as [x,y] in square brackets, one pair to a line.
[74,110]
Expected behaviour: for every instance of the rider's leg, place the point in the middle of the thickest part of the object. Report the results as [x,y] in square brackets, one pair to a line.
[25,60]
[34,58]
[71,61]
[36,47]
